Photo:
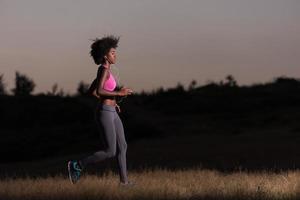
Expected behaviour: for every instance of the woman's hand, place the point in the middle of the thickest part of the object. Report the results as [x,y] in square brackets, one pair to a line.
[125,91]
[118,107]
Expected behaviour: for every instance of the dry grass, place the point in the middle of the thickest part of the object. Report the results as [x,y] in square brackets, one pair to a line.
[158,184]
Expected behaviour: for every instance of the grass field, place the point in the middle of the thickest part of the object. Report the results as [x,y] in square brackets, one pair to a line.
[187,167]
[158,183]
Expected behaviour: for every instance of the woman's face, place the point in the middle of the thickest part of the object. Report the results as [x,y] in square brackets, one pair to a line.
[111,56]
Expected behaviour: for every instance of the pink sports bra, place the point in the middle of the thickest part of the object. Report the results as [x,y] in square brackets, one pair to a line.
[110,84]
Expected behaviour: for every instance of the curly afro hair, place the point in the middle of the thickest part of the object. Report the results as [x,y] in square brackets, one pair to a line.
[100,47]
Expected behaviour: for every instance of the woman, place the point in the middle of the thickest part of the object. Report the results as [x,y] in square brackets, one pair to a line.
[104,87]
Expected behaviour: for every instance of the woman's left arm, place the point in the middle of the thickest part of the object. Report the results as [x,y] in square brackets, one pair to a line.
[93,89]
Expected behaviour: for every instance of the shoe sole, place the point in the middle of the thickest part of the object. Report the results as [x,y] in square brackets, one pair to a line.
[69,171]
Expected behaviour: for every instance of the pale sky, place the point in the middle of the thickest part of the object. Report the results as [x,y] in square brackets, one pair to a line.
[162,42]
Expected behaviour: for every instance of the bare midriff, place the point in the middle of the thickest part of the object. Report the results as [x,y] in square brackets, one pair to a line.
[111,102]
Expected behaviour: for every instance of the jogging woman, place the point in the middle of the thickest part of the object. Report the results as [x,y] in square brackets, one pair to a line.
[104,87]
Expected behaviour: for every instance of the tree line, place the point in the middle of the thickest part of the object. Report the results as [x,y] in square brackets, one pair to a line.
[24,86]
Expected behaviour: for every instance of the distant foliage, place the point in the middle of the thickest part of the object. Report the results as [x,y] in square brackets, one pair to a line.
[192,85]
[2,86]
[178,90]
[23,85]
[157,91]
[230,81]
[180,87]
[54,89]
[55,92]
[283,80]
[82,89]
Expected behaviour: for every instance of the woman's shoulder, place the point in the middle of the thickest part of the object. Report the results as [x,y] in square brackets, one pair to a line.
[103,66]
[101,69]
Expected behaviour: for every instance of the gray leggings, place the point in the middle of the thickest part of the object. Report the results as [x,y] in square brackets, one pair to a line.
[108,118]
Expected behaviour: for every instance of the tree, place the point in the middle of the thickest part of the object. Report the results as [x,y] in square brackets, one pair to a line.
[179,87]
[23,85]
[2,86]
[287,81]
[62,93]
[192,85]
[54,90]
[230,81]
[82,89]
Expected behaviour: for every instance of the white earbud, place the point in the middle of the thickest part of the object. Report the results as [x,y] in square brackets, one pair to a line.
[107,59]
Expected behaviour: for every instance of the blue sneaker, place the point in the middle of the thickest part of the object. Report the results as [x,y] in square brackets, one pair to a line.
[74,171]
